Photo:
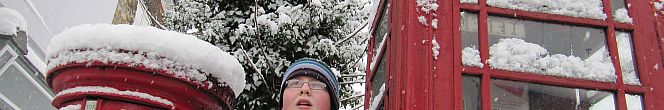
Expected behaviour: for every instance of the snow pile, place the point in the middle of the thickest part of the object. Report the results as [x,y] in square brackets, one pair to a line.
[434,23]
[469,1]
[181,55]
[629,74]
[101,89]
[470,56]
[659,4]
[575,8]
[71,107]
[434,48]
[622,15]
[517,55]
[423,20]
[11,21]
[427,5]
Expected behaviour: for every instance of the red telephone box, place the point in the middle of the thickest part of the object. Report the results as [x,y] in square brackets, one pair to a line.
[129,67]
[420,55]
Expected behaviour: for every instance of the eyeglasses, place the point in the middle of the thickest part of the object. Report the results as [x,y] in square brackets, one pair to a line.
[313,85]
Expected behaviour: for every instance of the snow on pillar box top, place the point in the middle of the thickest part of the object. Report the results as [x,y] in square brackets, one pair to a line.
[180,55]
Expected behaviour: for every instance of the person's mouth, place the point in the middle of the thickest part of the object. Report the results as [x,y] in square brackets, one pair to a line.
[303,103]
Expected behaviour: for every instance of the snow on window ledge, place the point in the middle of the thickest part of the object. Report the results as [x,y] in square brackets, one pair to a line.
[575,8]
[109,90]
[517,55]
[177,48]
[622,15]
[469,1]
[470,56]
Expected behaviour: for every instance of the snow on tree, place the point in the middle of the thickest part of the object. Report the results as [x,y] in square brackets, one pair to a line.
[267,35]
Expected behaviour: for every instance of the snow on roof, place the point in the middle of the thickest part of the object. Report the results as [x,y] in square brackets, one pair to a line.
[102,89]
[11,21]
[575,8]
[517,55]
[181,55]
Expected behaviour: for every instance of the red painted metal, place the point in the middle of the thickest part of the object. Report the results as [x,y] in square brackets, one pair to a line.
[183,93]
[410,64]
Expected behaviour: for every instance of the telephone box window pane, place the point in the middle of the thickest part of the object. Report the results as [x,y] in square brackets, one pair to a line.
[381,29]
[549,49]
[471,93]
[378,83]
[512,95]
[620,12]
[617,4]
[634,102]
[625,51]
[470,54]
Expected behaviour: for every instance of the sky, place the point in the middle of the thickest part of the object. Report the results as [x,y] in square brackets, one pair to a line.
[58,15]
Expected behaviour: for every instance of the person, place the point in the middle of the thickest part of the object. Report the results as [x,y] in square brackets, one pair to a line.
[309,84]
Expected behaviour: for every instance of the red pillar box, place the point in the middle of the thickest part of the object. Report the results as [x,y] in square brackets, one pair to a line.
[131,67]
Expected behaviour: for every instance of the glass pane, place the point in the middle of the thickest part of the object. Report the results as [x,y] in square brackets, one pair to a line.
[4,59]
[620,12]
[4,105]
[471,93]
[512,95]
[634,102]
[378,85]
[22,92]
[624,42]
[549,49]
[470,55]
[617,4]
[381,29]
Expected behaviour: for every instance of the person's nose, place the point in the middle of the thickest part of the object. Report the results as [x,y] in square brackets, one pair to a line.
[305,90]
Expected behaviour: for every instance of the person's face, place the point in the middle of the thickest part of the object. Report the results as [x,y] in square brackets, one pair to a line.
[308,97]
